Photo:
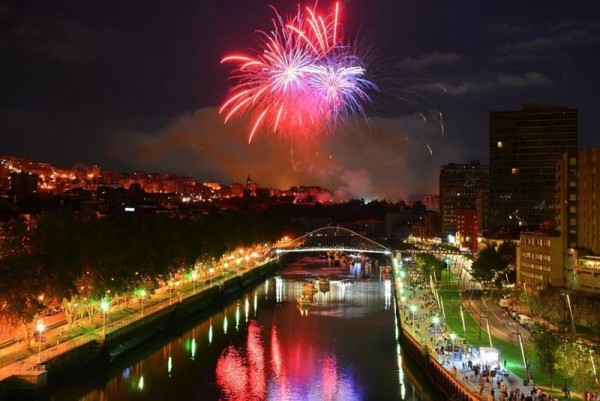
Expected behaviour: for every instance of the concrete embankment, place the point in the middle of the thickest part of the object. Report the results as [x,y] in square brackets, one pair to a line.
[416,349]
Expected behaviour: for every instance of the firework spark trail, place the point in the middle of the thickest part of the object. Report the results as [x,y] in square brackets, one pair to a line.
[304,79]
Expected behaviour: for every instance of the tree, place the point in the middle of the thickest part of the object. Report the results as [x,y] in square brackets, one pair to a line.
[545,346]
[429,265]
[487,265]
[575,363]
[22,285]
[507,251]
[20,290]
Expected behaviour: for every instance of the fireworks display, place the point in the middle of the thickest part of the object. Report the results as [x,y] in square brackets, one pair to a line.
[303,79]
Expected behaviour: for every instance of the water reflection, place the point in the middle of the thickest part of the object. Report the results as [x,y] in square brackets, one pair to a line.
[343,345]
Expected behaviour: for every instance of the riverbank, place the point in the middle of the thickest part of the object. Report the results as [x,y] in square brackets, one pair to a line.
[452,364]
[94,344]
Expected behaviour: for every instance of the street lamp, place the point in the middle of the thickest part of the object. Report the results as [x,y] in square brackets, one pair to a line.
[211,271]
[570,310]
[435,320]
[413,309]
[104,308]
[481,294]
[170,290]
[143,295]
[40,327]
[194,277]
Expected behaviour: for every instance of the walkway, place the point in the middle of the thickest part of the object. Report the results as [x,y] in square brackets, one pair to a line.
[17,358]
[422,319]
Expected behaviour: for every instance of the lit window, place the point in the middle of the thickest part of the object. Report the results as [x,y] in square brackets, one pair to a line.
[499,144]
[514,170]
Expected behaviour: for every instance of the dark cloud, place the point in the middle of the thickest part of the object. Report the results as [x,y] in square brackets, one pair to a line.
[506,29]
[425,61]
[99,82]
[560,40]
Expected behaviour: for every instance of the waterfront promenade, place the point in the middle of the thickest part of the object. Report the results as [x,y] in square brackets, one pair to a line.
[18,359]
[422,318]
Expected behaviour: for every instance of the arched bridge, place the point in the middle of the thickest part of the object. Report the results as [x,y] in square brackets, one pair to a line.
[333,239]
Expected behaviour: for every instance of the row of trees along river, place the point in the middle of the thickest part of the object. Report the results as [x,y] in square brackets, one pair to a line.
[75,260]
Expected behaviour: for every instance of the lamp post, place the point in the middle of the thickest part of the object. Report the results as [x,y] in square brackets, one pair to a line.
[435,320]
[194,277]
[570,313]
[104,309]
[170,290]
[211,271]
[481,294]
[143,295]
[40,327]
[487,322]
[413,309]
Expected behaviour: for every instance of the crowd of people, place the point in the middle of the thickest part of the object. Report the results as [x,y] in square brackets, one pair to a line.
[422,314]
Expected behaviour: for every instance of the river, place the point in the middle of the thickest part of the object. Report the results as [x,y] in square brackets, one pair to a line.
[265,346]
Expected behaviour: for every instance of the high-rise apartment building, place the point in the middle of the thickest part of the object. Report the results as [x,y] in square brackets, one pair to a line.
[525,147]
[567,200]
[461,186]
[467,229]
[588,200]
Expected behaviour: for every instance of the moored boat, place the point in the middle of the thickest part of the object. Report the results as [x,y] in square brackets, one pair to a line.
[309,288]
[324,279]
[303,300]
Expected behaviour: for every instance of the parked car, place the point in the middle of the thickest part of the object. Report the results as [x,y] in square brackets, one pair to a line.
[488,373]
[53,310]
[504,302]
[524,321]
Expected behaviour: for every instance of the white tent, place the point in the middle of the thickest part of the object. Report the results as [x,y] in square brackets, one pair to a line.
[489,356]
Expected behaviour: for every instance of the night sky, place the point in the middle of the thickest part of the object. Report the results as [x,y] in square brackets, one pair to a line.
[135,86]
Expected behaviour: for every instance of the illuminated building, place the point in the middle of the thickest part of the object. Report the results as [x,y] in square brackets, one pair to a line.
[540,260]
[525,147]
[461,186]
[467,228]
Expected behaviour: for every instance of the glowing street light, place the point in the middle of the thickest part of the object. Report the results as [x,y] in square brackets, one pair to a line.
[143,295]
[435,320]
[194,277]
[40,327]
[413,309]
[104,309]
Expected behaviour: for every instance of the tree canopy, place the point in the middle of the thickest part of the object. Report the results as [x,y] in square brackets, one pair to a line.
[65,255]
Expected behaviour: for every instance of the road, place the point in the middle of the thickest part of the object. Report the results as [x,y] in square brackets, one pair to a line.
[501,325]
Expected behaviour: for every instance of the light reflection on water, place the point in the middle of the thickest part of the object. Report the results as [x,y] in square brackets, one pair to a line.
[343,346]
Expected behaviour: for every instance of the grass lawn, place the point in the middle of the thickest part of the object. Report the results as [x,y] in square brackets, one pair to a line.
[477,336]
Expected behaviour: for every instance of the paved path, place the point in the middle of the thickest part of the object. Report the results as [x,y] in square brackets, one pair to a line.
[424,325]
[19,358]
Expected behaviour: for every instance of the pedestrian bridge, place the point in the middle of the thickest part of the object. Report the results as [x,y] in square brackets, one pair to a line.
[331,239]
